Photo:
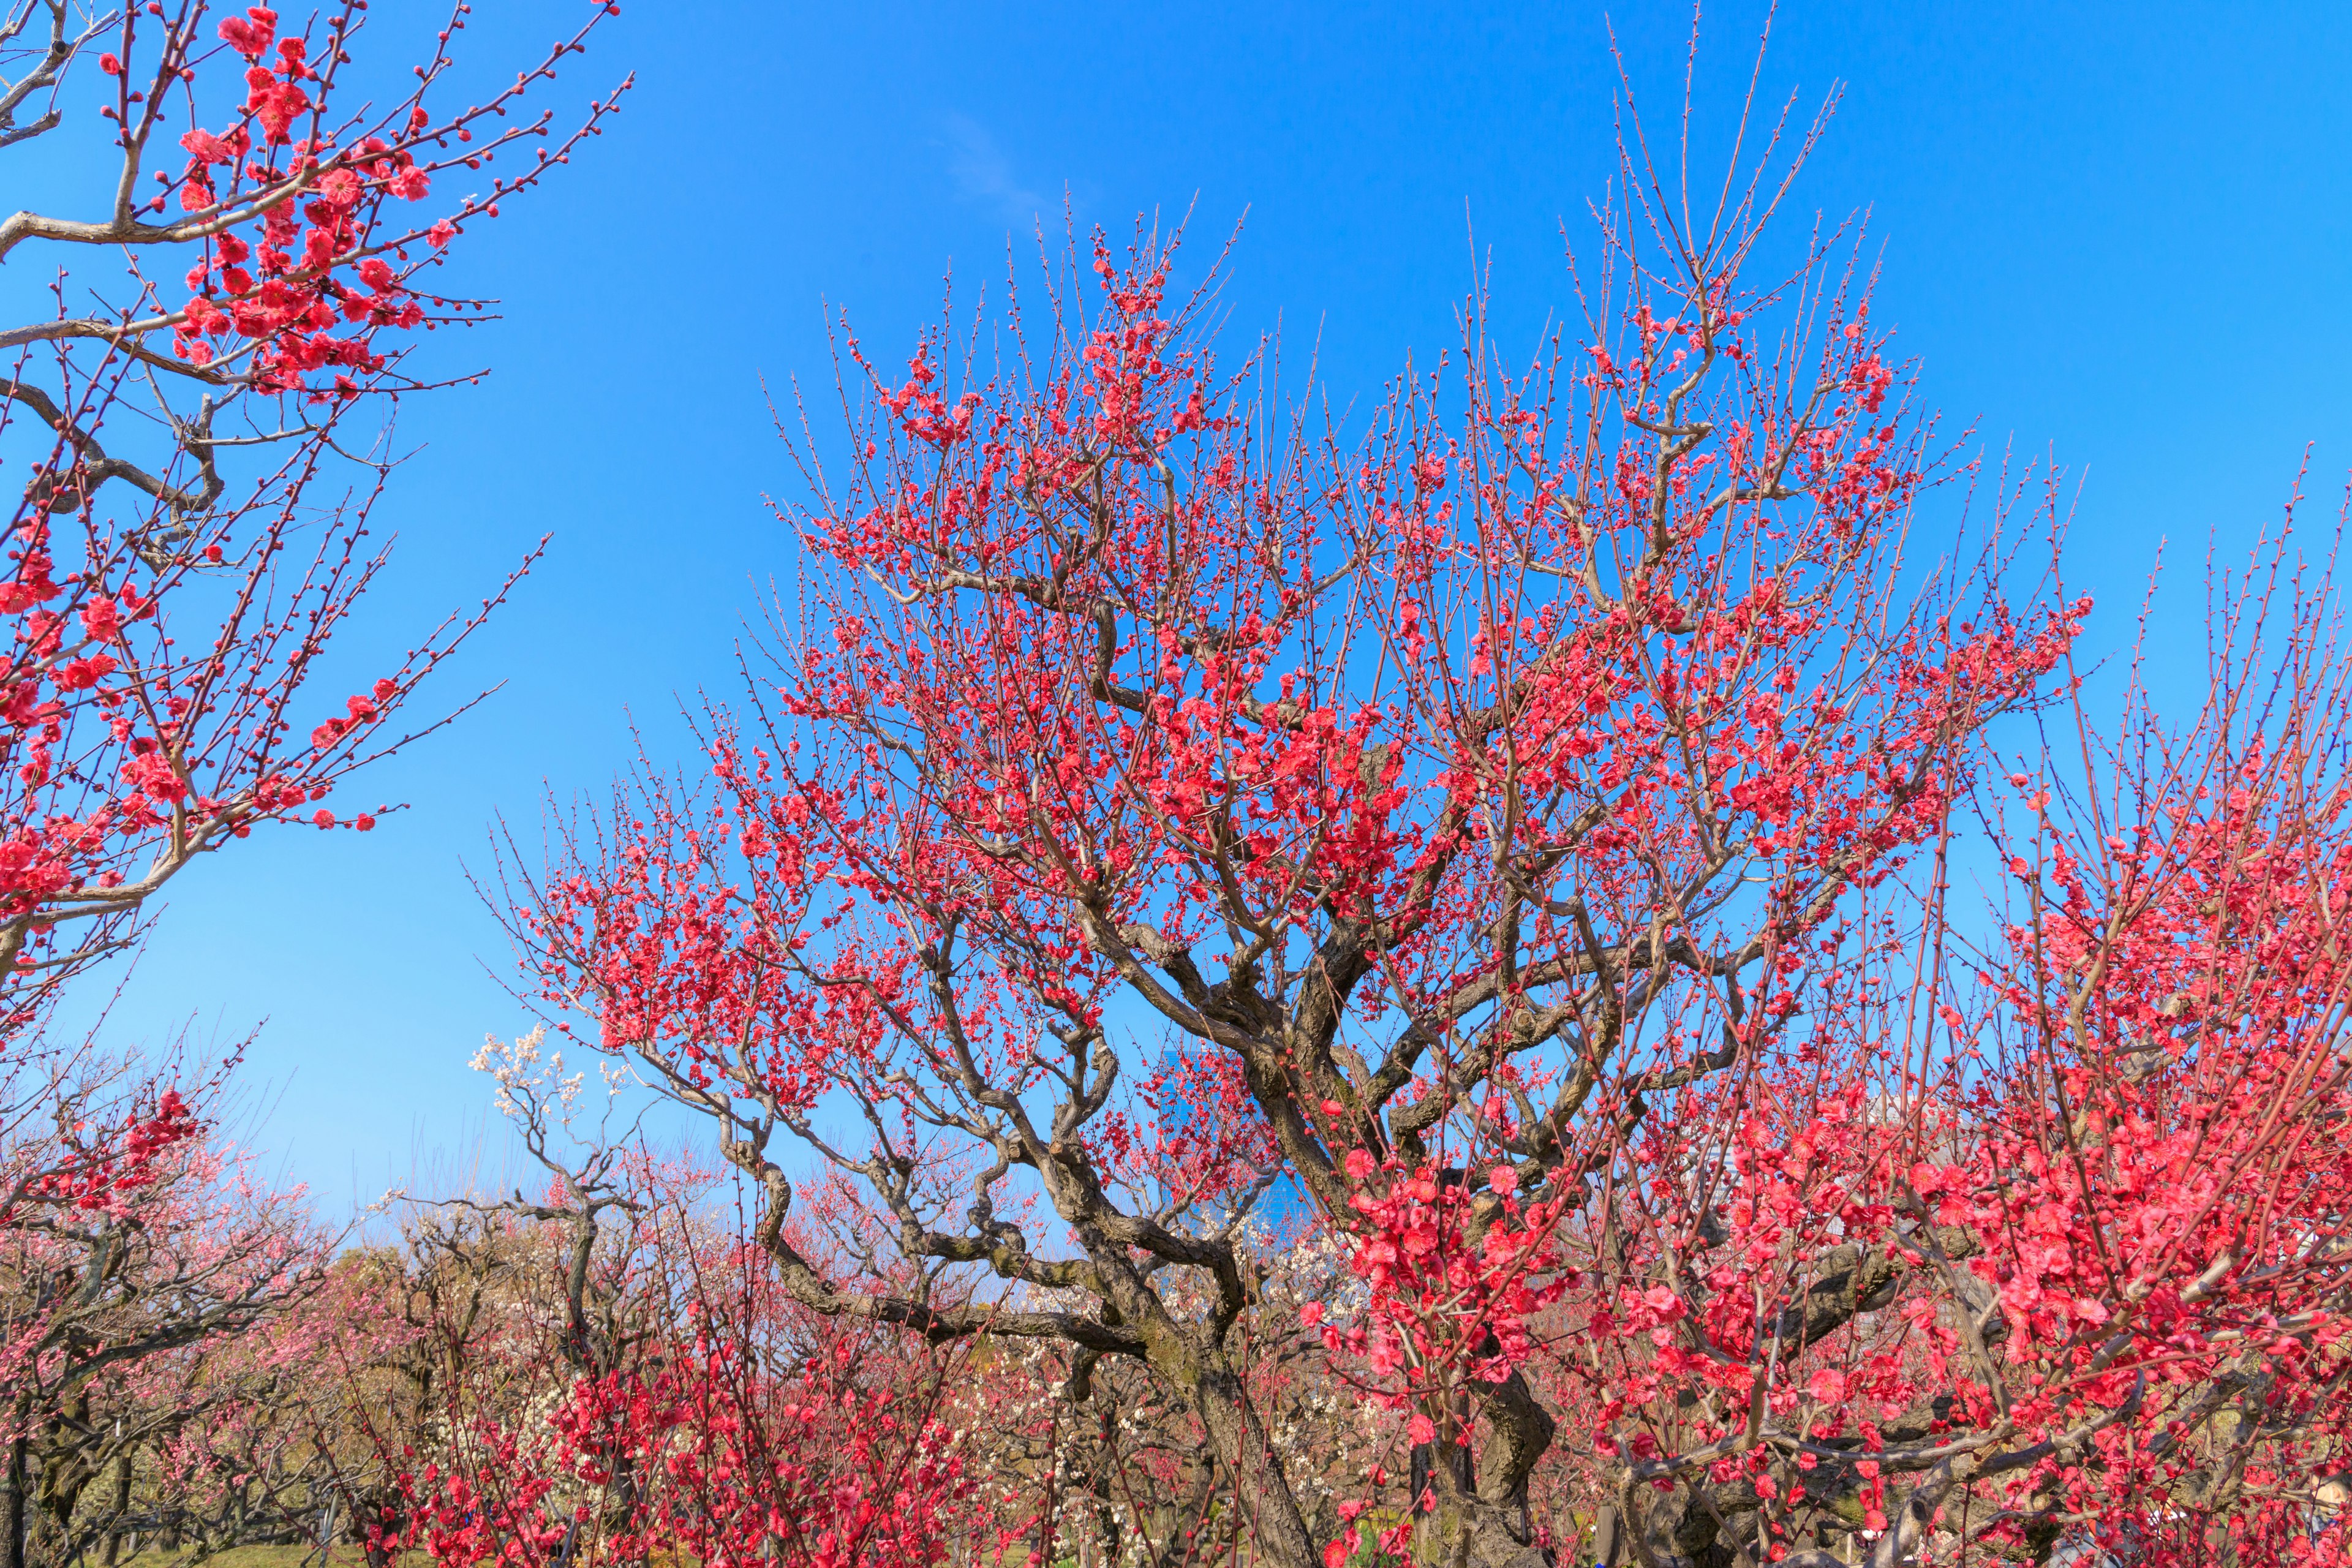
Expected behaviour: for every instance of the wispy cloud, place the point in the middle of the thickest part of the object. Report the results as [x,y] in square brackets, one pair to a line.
[983,174]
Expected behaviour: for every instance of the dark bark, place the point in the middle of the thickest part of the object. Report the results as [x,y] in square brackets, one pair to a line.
[16,1508]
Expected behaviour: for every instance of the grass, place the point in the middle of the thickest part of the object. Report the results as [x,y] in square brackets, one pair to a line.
[345,1556]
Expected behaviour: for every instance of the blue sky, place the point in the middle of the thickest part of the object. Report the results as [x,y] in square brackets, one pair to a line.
[2115,234]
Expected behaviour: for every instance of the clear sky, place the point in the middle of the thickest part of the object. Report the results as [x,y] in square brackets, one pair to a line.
[2113,233]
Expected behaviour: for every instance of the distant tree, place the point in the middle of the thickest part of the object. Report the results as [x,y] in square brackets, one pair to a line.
[634,1384]
[143,1336]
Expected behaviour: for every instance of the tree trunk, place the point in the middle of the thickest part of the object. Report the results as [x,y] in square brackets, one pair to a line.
[113,1549]
[1608,1540]
[1484,1523]
[15,1508]
[64,1474]
[1282,1538]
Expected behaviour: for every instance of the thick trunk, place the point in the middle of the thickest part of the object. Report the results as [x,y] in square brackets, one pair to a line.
[1281,1538]
[1608,1537]
[1686,1527]
[1469,1532]
[1193,1359]
[121,1509]
[65,1475]
[15,1508]
[1484,1521]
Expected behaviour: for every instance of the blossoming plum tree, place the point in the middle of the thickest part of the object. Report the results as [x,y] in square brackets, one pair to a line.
[193,434]
[1528,827]
[2042,1239]
[1463,803]
[307,229]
